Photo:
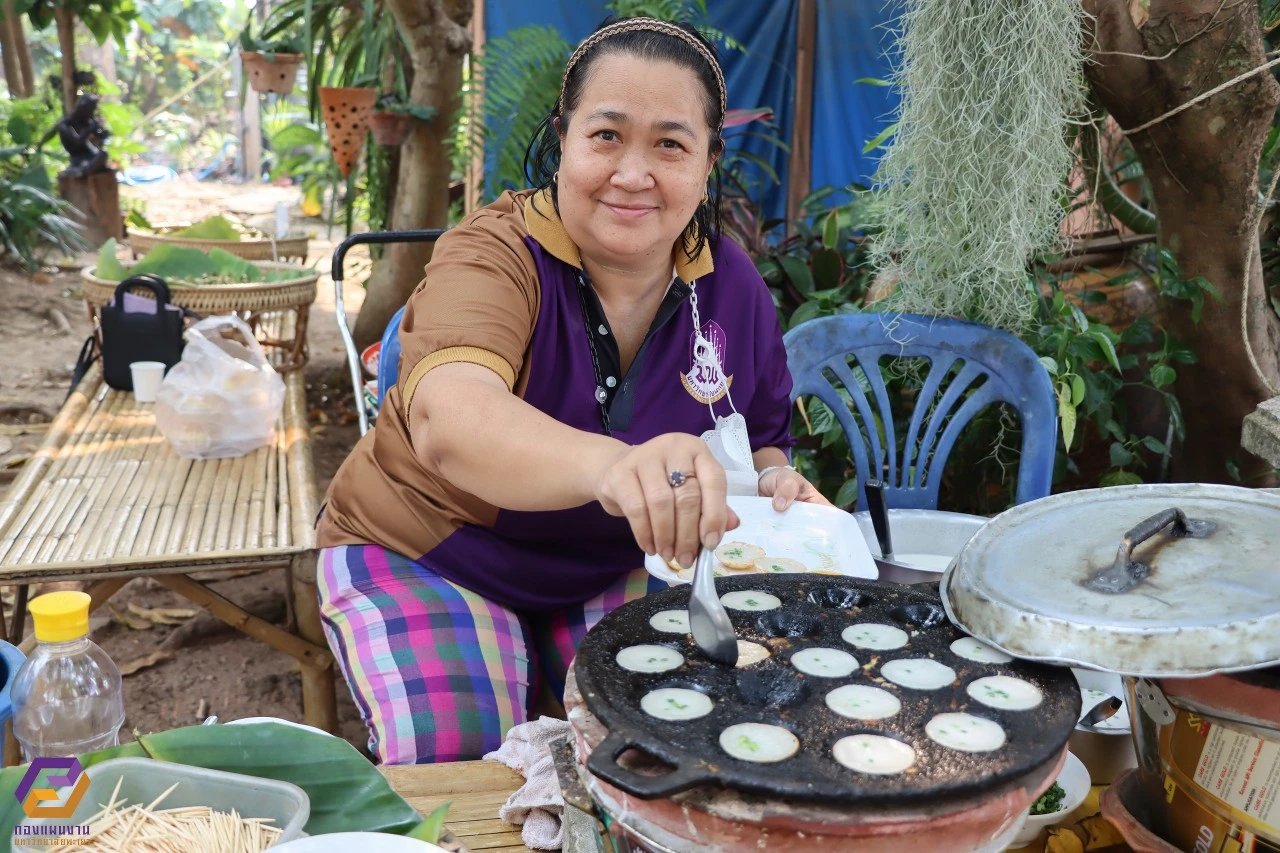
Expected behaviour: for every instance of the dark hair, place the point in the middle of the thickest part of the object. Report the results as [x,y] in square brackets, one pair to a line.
[542,157]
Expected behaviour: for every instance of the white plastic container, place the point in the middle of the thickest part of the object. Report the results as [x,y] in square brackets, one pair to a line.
[68,698]
[144,779]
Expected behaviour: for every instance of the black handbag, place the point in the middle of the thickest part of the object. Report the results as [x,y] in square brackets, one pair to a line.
[129,336]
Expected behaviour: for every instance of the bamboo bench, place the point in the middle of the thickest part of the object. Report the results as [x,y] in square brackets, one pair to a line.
[105,500]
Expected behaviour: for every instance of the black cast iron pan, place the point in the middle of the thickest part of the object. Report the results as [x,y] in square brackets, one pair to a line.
[815,610]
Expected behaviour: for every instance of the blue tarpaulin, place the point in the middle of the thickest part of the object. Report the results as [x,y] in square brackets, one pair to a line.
[851,43]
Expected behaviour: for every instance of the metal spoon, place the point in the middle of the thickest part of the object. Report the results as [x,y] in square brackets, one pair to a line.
[713,633]
[1104,710]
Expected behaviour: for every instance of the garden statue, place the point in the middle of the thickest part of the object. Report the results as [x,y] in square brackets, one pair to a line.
[82,133]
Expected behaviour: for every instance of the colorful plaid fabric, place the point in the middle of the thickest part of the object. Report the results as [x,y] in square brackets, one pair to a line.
[439,673]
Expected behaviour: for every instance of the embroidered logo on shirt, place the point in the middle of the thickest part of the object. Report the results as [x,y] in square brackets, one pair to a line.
[703,383]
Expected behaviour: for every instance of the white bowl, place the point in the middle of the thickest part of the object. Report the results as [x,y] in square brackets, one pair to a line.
[920,536]
[821,537]
[1075,781]
[357,842]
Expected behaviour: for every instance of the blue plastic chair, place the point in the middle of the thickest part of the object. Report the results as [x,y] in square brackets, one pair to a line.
[11,660]
[389,356]
[986,366]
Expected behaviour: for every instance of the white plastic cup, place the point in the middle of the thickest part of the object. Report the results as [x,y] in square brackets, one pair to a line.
[147,376]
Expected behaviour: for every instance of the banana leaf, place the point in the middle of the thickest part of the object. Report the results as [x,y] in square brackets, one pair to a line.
[347,792]
[109,266]
[216,227]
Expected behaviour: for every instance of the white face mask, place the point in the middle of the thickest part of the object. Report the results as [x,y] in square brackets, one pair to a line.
[728,440]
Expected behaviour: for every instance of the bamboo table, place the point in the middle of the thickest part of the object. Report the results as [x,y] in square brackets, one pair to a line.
[104,499]
[477,790]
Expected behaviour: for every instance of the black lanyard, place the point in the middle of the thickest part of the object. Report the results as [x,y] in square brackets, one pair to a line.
[601,395]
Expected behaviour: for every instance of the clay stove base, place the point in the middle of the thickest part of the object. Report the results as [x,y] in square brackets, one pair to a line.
[715,820]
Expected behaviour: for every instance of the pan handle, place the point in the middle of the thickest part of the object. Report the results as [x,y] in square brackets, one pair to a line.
[1126,572]
[603,762]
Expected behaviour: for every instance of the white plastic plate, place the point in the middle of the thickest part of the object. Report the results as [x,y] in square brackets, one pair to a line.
[822,538]
[357,842]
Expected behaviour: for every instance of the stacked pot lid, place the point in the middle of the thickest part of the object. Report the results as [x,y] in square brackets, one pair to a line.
[1150,580]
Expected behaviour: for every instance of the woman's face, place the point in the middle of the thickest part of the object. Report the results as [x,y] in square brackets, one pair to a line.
[634,162]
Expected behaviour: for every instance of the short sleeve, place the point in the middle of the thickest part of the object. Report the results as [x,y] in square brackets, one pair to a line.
[478,301]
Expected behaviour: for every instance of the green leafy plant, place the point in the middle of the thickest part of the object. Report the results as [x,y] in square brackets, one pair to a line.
[1096,371]
[302,154]
[33,220]
[290,44]
[390,102]
[520,74]
[821,267]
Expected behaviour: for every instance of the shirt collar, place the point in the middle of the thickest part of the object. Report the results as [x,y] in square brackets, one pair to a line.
[545,226]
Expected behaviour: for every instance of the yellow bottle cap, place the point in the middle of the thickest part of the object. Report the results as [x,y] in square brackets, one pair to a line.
[60,616]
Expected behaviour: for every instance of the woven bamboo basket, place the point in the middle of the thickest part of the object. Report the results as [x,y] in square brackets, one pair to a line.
[277,310]
[265,249]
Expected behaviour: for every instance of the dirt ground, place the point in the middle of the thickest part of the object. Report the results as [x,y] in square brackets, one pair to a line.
[217,671]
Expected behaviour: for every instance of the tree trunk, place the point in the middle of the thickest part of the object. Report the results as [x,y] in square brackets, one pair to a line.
[66,22]
[17,56]
[8,53]
[1203,167]
[436,31]
[24,57]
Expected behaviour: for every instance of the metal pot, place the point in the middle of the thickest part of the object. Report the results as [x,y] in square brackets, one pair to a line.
[1176,587]
[919,531]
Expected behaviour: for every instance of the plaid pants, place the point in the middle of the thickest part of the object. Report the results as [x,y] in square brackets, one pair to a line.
[439,673]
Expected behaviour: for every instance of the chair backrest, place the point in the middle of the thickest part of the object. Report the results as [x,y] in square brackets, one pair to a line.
[971,366]
[389,356]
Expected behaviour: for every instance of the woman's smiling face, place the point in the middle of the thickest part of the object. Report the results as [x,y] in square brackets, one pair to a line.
[635,158]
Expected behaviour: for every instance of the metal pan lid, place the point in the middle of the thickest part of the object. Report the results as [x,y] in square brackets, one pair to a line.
[1150,580]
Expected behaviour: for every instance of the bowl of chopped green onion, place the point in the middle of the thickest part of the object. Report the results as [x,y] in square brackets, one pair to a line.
[1057,803]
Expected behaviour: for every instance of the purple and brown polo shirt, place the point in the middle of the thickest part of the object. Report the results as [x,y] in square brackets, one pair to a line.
[502,291]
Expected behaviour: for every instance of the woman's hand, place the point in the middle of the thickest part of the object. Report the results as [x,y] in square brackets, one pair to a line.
[786,486]
[673,521]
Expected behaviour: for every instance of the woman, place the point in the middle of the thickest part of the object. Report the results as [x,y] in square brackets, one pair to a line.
[545,430]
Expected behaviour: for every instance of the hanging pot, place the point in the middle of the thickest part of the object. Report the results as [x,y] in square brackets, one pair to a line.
[346,113]
[275,73]
[390,129]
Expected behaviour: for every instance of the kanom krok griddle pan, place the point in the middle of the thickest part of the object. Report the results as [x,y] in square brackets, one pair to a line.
[815,610]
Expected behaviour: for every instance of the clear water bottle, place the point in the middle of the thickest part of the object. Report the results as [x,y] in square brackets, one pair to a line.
[68,698]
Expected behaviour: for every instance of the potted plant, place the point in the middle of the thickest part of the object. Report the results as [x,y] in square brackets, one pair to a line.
[271,65]
[393,119]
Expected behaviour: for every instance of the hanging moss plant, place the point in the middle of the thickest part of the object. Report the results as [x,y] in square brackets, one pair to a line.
[973,178]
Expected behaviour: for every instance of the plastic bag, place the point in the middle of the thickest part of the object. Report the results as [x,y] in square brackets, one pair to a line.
[223,398]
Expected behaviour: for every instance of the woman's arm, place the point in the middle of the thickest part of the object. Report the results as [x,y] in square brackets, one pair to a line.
[468,428]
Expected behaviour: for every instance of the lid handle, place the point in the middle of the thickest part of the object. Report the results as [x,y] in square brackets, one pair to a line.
[1126,573]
